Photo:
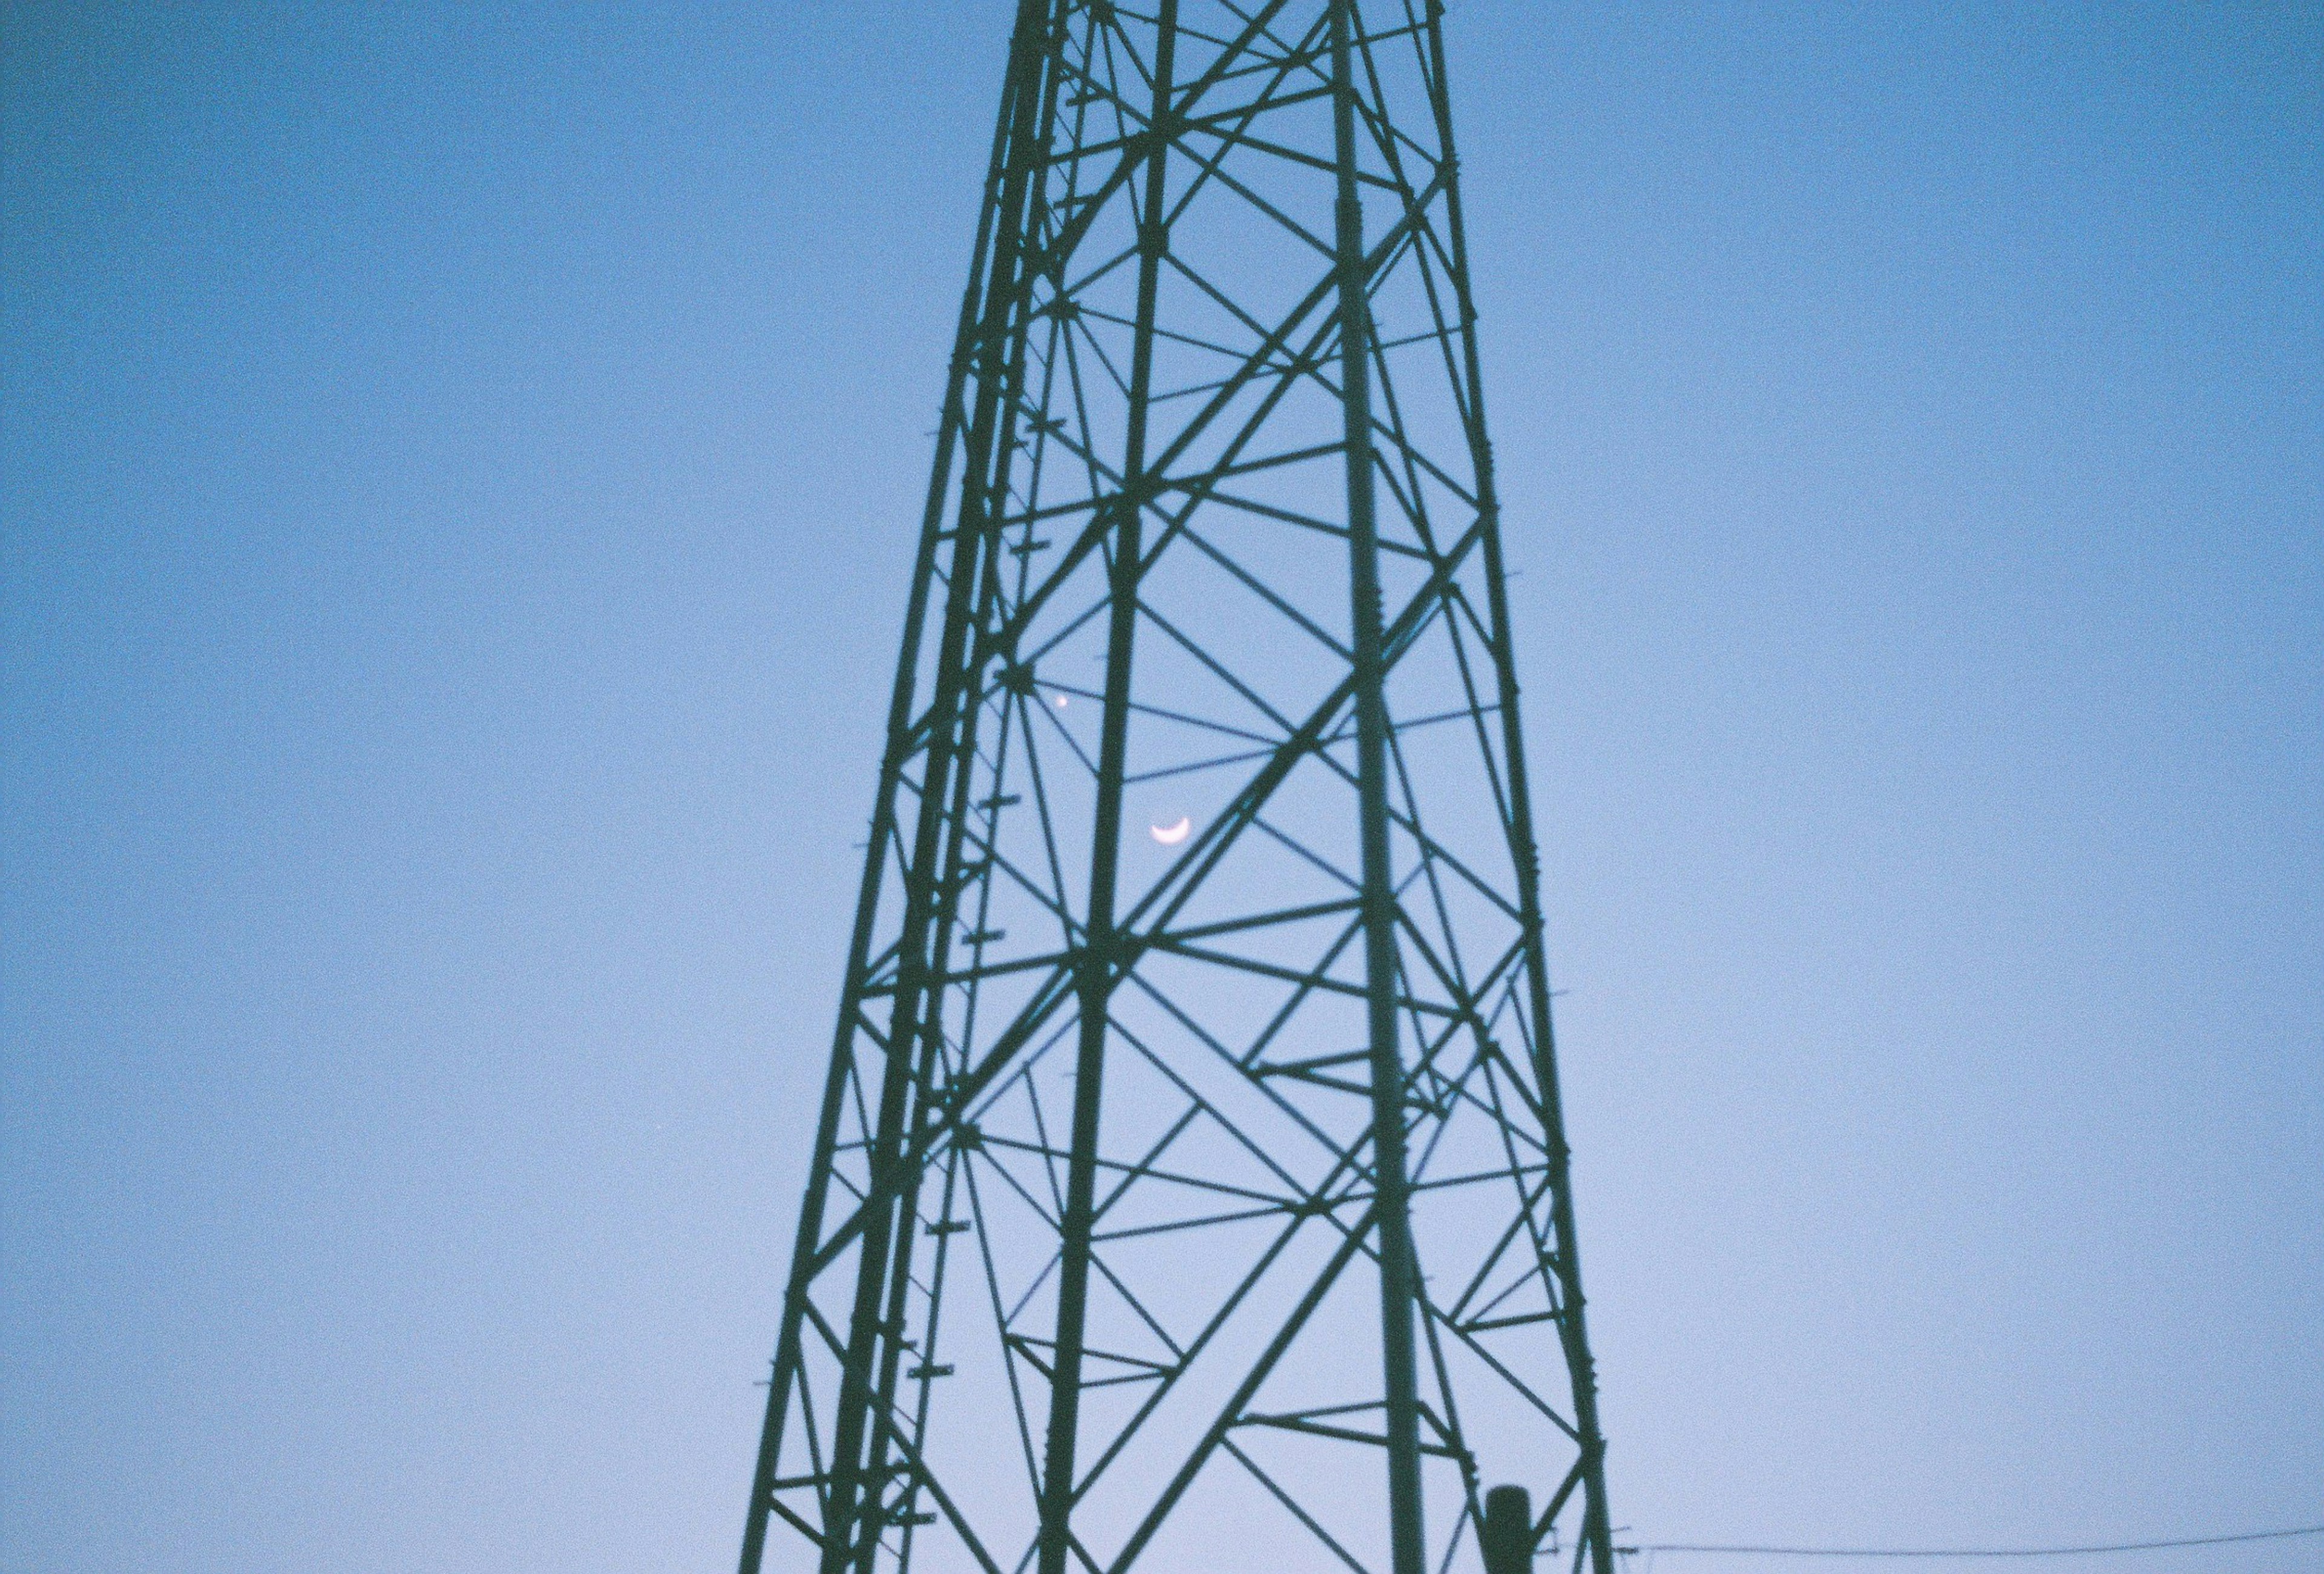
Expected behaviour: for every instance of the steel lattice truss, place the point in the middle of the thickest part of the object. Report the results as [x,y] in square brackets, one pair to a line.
[1190,1189]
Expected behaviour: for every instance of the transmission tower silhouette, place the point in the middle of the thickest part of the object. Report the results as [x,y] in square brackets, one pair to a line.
[1189,1188]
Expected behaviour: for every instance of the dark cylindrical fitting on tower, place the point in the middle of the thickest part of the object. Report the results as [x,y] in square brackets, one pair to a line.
[1508,1532]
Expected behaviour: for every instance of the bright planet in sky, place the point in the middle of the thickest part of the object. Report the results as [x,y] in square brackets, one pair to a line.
[1170,835]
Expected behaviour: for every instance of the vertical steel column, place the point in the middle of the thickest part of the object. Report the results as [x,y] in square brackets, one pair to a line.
[951,421]
[983,506]
[1096,980]
[850,1499]
[1400,1277]
[1597,1529]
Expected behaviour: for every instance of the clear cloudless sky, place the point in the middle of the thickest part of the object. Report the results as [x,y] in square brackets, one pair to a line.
[461,463]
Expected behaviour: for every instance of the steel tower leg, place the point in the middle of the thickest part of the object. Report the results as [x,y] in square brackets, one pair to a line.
[1095,974]
[1393,1212]
[984,325]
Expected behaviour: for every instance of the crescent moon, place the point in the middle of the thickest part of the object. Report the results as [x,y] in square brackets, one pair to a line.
[1170,835]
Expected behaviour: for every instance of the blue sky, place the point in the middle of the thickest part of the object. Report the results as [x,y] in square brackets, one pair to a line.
[460,476]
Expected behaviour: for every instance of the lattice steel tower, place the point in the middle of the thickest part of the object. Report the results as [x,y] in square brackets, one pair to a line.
[1189,1190]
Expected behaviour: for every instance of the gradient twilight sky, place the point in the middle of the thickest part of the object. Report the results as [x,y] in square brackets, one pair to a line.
[460,469]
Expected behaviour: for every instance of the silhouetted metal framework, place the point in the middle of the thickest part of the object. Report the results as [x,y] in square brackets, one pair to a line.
[1189,1190]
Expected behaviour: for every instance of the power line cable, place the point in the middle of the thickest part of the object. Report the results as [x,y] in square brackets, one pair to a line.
[1978,1551]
